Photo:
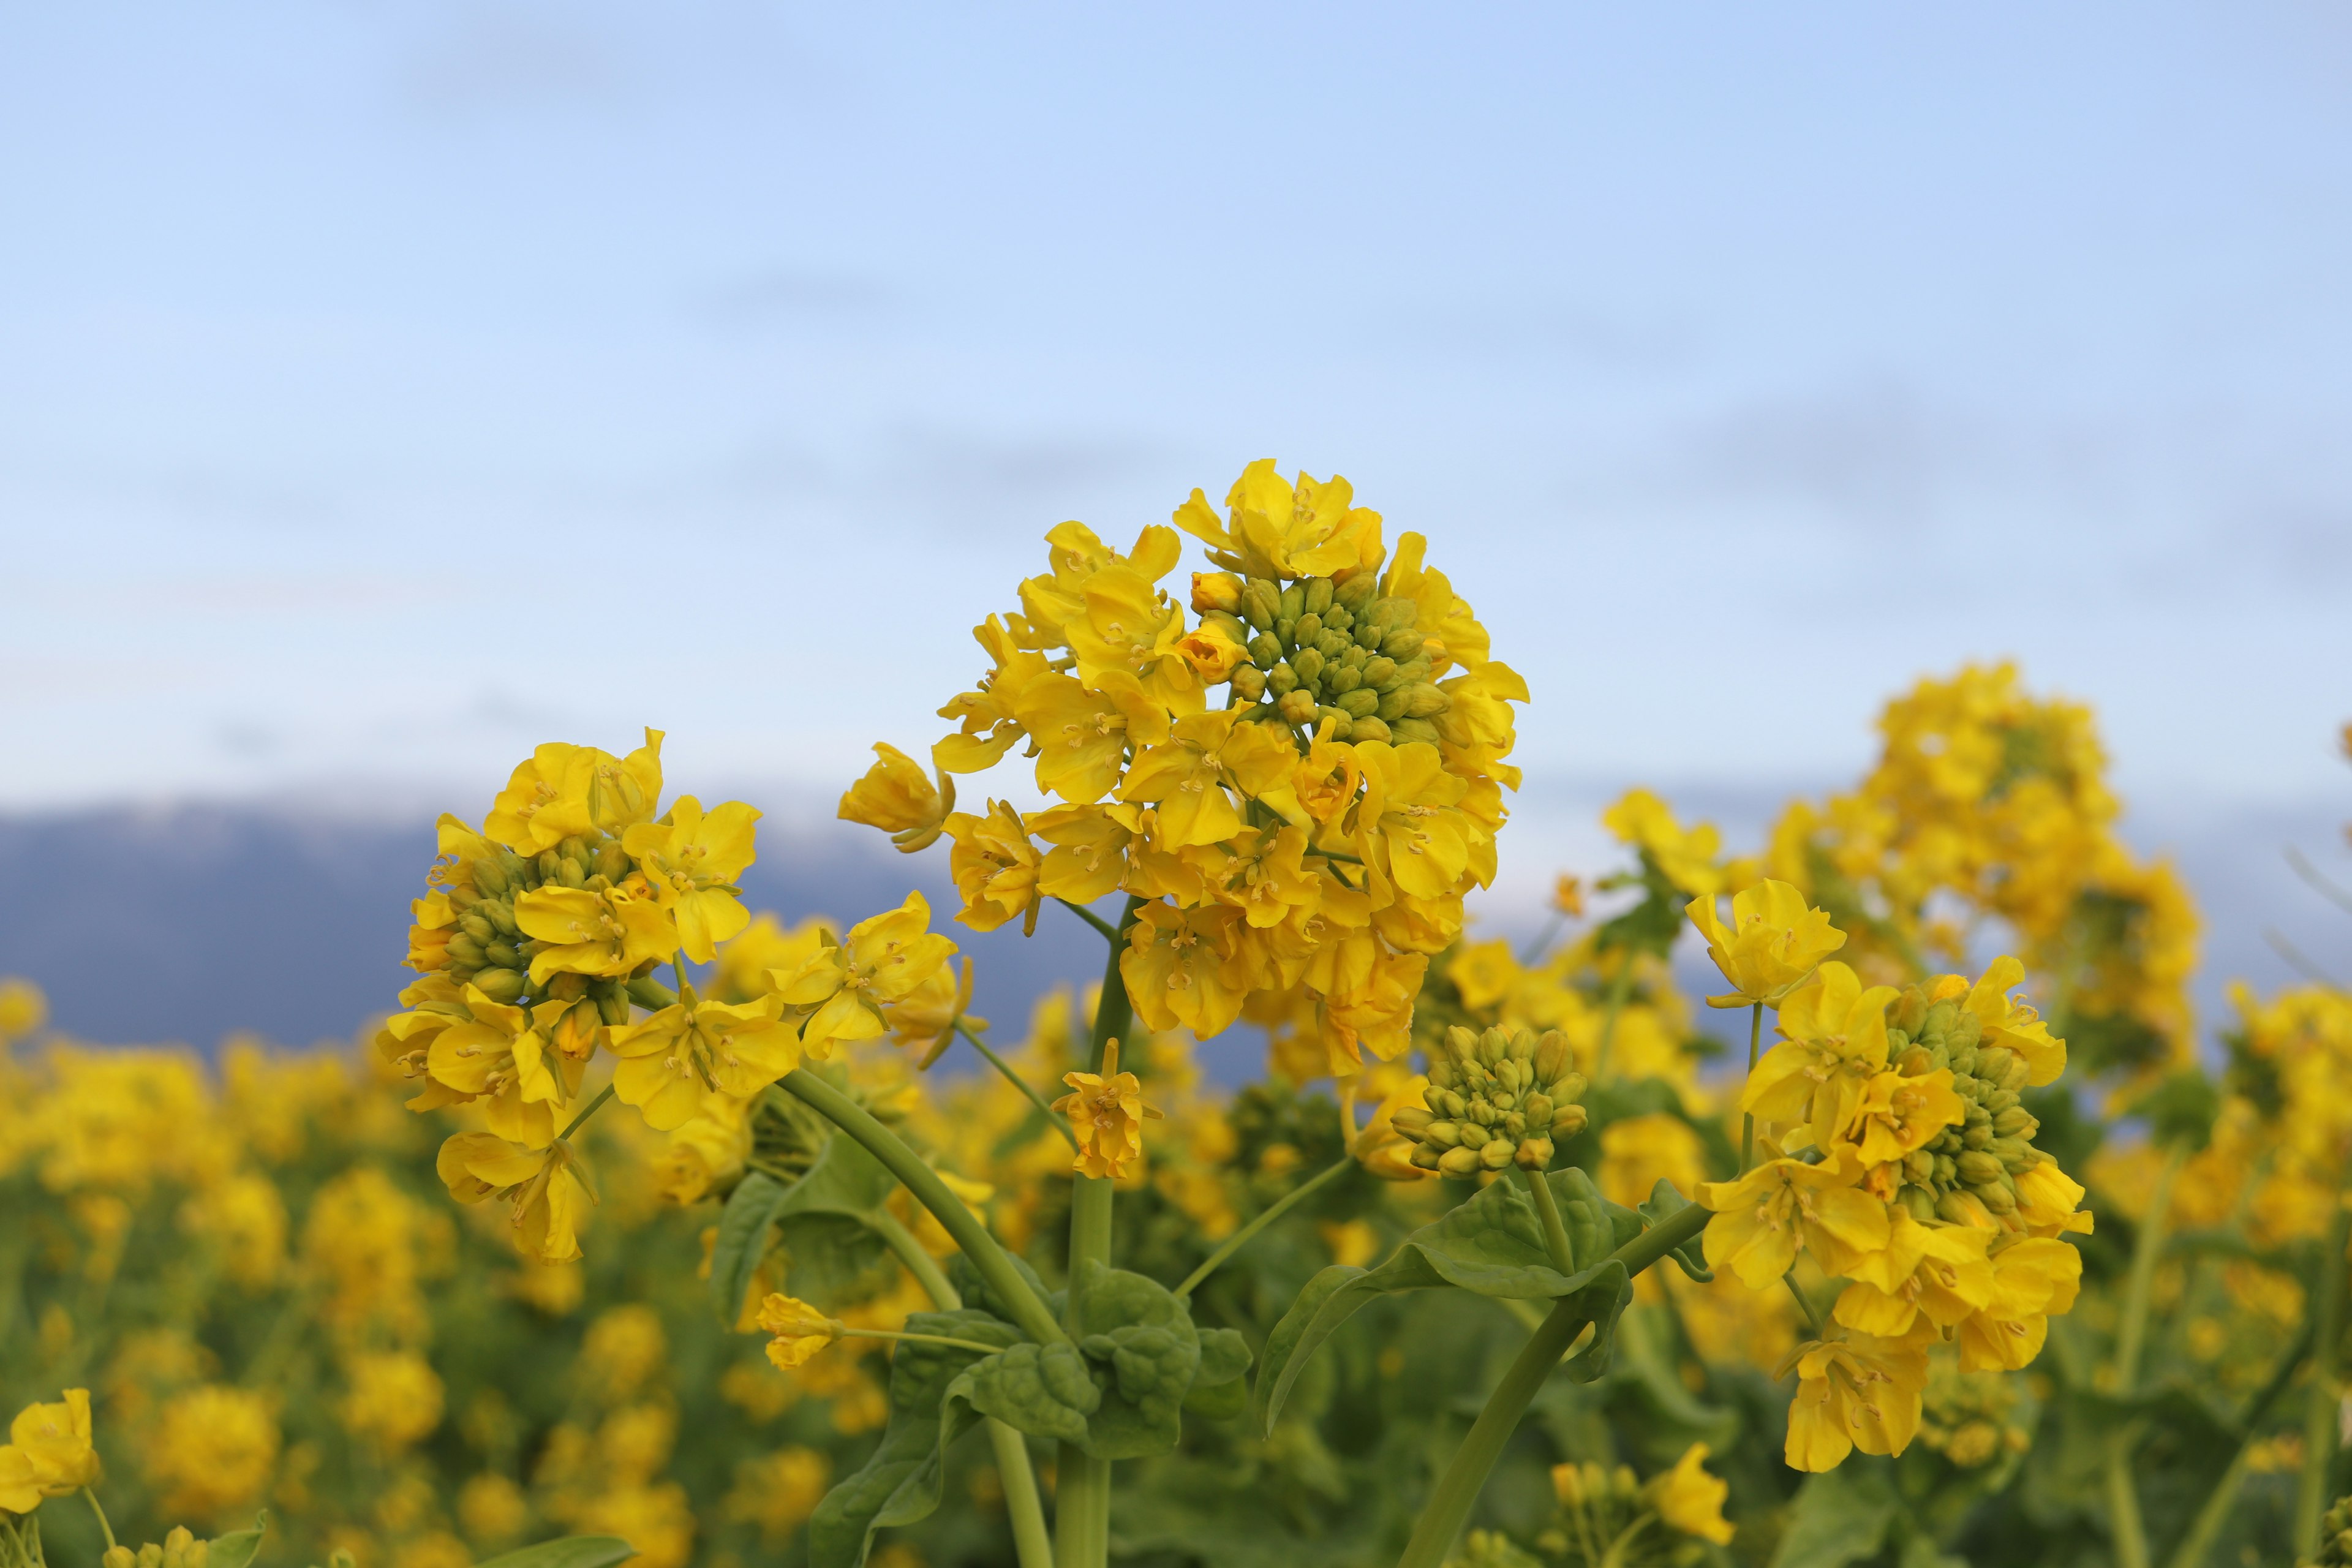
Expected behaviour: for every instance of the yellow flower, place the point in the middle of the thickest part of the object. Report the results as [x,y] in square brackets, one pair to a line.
[1089,855]
[1858,1393]
[1684,858]
[2049,1202]
[19,1492]
[1186,777]
[2034,1277]
[896,797]
[1836,1042]
[799,1331]
[2015,1024]
[924,1020]
[669,1060]
[1267,879]
[995,867]
[1179,968]
[212,1449]
[1764,1216]
[502,1052]
[600,933]
[1082,733]
[1690,1499]
[1774,942]
[707,1151]
[1107,1111]
[542,1189]
[22,1008]
[396,1399]
[1896,1114]
[1937,1271]
[883,959]
[778,1492]
[1567,897]
[1379,1148]
[55,1442]
[690,859]
[565,790]
[1637,1153]
[1408,826]
[1310,529]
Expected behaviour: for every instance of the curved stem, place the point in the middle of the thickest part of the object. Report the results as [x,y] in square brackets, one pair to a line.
[586,1111]
[1109,932]
[1449,1506]
[104,1527]
[1804,1304]
[1563,1255]
[920,1263]
[1271,1212]
[986,1254]
[1023,1084]
[1747,1123]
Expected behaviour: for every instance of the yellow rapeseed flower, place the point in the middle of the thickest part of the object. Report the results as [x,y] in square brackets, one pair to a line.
[1690,1499]
[1836,1043]
[55,1440]
[1856,1392]
[882,961]
[995,867]
[1686,857]
[1762,1218]
[671,1059]
[1774,942]
[895,795]
[542,1188]
[799,1330]
[690,860]
[606,933]
[1107,1111]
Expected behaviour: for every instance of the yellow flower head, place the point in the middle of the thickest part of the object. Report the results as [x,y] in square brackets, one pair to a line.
[1686,857]
[690,860]
[995,867]
[672,1059]
[502,1054]
[1856,1392]
[884,960]
[1762,1219]
[1836,1042]
[611,932]
[1774,942]
[2015,1024]
[1896,1114]
[1379,1148]
[564,791]
[1690,1499]
[1936,1271]
[1107,1111]
[54,1441]
[799,1330]
[543,1189]
[1280,530]
[2034,1277]
[896,796]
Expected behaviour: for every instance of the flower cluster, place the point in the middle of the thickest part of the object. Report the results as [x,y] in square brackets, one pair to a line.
[1900,1159]
[537,949]
[1297,786]
[1495,1101]
[1612,1517]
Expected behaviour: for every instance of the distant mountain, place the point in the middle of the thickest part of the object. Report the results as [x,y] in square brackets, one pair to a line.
[191,922]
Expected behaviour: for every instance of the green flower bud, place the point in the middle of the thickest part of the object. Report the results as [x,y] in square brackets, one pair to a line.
[1335,645]
[1992,1063]
[613,1006]
[1493,1046]
[1962,1060]
[610,862]
[1568,1121]
[1461,1044]
[475,926]
[1343,680]
[2020,1073]
[1264,651]
[1402,644]
[1359,703]
[151,1556]
[571,872]
[1294,601]
[1948,1170]
[1355,591]
[1533,1154]
[1462,1162]
[1368,729]
[1296,707]
[1441,1072]
[1379,672]
[1393,702]
[1920,1166]
[1443,1134]
[1368,635]
[1920,1201]
[1249,682]
[1318,594]
[1999,1100]
[118,1557]
[1423,1157]
[1260,602]
[1400,731]
[501,984]
[1343,724]
[1283,628]
[1425,701]
[1950,1208]
[1539,1108]
[1566,1087]
[1976,1134]
[1338,619]
[1482,1111]
[1412,1122]
[1454,1106]
[2001,1200]
[466,949]
[1282,679]
[1978,1169]
[500,914]
[1515,1125]
[2014,1122]
[1308,663]
[1497,1154]
[2015,1155]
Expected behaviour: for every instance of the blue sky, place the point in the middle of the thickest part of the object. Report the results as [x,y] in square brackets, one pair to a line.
[386,388]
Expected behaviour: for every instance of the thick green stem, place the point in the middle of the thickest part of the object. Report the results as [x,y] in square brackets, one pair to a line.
[990,1259]
[1449,1506]
[2311,1499]
[2129,1534]
[1747,1123]
[1619,986]
[1273,1210]
[1031,1545]
[1023,1084]
[1563,1255]
[1110,932]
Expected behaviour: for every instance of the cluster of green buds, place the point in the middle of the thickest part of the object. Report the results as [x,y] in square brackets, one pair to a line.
[179,1549]
[1322,651]
[1984,1155]
[1970,1417]
[1495,1101]
[489,950]
[1601,1519]
[2335,1538]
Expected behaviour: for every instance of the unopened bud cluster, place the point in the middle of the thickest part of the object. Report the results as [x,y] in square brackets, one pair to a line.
[179,1549]
[1993,1146]
[1322,651]
[1598,1509]
[489,950]
[2335,1538]
[1495,1101]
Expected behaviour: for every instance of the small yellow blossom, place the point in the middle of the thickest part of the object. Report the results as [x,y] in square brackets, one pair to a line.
[896,796]
[55,1440]
[1774,942]
[1107,1111]
[1690,1499]
[690,860]
[1762,1218]
[1836,1042]
[996,868]
[1858,1393]
[542,1188]
[670,1061]
[882,961]
[601,933]
[1686,857]
[799,1330]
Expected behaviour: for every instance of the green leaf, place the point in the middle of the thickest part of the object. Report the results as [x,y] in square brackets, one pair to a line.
[900,1481]
[564,1551]
[976,1291]
[1841,1516]
[235,1549]
[1665,1202]
[823,1221]
[1045,1391]
[1224,1358]
[1137,1330]
[1493,1245]
[742,1241]
[1603,1301]
[845,1180]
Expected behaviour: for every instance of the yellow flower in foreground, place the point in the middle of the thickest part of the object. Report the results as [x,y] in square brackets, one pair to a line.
[1937,1271]
[54,1441]
[1774,942]
[1836,1042]
[19,1493]
[1861,1393]
[565,790]
[1896,1114]
[896,796]
[883,959]
[1764,1216]
[1690,1499]
[995,867]
[607,933]
[2015,1024]
[543,1189]
[669,1061]
[691,859]
[1107,1111]
[800,1330]
[2032,1278]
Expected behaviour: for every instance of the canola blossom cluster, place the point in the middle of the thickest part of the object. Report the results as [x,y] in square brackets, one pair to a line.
[539,946]
[1297,784]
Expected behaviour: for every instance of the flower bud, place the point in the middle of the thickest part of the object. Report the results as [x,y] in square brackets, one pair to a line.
[489,878]
[2014,1122]
[467,951]
[1412,1121]
[1403,730]
[1493,1046]
[1992,1063]
[1216,591]
[1355,590]
[118,1557]
[1482,1111]
[1497,1154]
[1369,729]
[1919,1166]
[1533,1154]
[1920,1200]
[1380,673]
[1998,1199]
[1462,1162]
[1423,1157]
[1956,1208]
[1978,1169]
[1318,594]
[1260,604]
[1443,1134]
[1551,1056]
[502,986]
[1568,1121]
[1343,680]
[1566,1087]
[1441,1072]
[1296,706]
[1425,701]
[1451,1103]
[1402,645]
[1514,1124]
[1539,1108]
[151,1556]
[1294,601]
[1460,1043]
[2015,1155]
[1308,663]
[1282,679]
[1976,1134]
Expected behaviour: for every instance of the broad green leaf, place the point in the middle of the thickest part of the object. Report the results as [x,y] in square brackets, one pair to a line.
[1665,1202]
[1841,1516]
[834,1260]
[1224,1357]
[235,1549]
[1603,1301]
[900,1481]
[977,1292]
[564,1551]
[846,1180]
[1493,1245]
[742,1241]
[1042,1389]
[1142,1334]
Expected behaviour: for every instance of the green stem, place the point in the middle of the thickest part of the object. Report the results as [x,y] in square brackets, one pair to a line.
[1053,1118]
[990,1259]
[1619,986]
[1747,1123]
[1804,1305]
[1273,1211]
[1466,1477]
[2311,1499]
[2128,1532]
[1563,1255]
[2215,1511]
[586,1111]
[1109,932]
[1032,1547]
[849,1334]
[105,1529]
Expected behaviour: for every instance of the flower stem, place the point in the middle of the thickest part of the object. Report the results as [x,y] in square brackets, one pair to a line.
[2311,1497]
[586,1111]
[2127,1529]
[990,1259]
[2215,1510]
[1747,1123]
[920,1263]
[1563,1255]
[105,1529]
[1449,1506]
[1109,932]
[1271,1212]
[849,1334]
[1804,1304]
[1017,1082]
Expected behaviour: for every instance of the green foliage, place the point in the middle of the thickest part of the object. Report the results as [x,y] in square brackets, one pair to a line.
[567,1551]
